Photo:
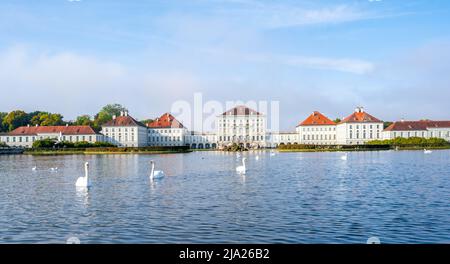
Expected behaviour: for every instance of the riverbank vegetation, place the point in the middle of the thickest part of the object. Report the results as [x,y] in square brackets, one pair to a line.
[234,148]
[412,143]
[101,148]
[323,148]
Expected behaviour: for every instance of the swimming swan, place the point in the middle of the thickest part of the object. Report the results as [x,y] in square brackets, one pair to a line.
[241,169]
[155,174]
[84,181]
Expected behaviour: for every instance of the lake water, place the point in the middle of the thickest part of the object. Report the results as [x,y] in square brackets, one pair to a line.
[400,197]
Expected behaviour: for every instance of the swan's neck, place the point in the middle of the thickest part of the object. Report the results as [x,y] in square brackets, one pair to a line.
[152,172]
[243,163]
[86,172]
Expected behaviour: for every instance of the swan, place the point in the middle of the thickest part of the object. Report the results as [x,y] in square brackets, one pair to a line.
[34,168]
[426,151]
[84,181]
[344,157]
[155,174]
[54,169]
[257,157]
[272,154]
[241,169]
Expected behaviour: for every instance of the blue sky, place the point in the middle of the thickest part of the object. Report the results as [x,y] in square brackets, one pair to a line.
[391,56]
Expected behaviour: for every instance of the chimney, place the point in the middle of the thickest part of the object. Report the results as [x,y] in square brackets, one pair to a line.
[402,120]
[37,125]
[121,113]
[114,117]
[67,125]
[28,125]
[126,113]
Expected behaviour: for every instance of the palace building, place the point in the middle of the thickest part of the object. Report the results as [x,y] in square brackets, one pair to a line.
[239,125]
[25,136]
[358,128]
[125,131]
[166,131]
[422,129]
[317,129]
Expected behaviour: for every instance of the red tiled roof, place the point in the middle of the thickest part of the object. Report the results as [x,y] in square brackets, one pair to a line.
[316,119]
[123,121]
[360,117]
[241,110]
[165,121]
[417,125]
[65,130]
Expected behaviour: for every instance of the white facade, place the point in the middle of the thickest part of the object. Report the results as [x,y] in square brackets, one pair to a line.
[201,140]
[124,131]
[275,139]
[358,129]
[166,136]
[317,135]
[241,125]
[421,129]
[24,137]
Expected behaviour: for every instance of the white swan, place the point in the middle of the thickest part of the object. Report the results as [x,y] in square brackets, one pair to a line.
[155,174]
[54,169]
[84,181]
[272,154]
[241,169]
[34,168]
[426,151]
[257,157]
[344,157]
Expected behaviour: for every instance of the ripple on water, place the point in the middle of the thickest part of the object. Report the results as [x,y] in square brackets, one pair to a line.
[400,197]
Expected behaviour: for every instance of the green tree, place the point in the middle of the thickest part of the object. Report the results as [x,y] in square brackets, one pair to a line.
[106,114]
[15,119]
[337,120]
[46,119]
[44,143]
[3,128]
[83,120]
[146,121]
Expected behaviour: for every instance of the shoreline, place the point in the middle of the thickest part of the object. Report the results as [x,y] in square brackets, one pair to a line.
[82,152]
[365,149]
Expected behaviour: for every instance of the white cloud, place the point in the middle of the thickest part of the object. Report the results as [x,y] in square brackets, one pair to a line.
[73,84]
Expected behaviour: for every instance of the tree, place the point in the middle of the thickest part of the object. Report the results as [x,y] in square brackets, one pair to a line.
[15,119]
[46,119]
[83,120]
[113,109]
[146,121]
[3,128]
[337,120]
[106,114]
[44,143]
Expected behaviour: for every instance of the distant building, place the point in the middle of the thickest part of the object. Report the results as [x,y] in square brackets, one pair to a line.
[422,129]
[358,128]
[274,139]
[166,131]
[125,131]
[317,129]
[25,136]
[241,125]
[197,140]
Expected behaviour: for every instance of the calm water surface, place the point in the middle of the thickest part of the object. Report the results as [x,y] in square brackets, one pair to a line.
[400,197]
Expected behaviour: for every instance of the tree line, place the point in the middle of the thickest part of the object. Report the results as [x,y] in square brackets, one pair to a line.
[17,118]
